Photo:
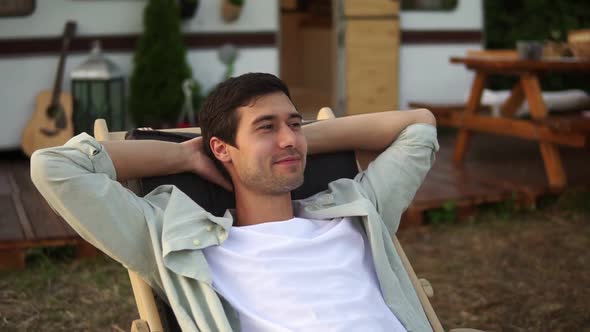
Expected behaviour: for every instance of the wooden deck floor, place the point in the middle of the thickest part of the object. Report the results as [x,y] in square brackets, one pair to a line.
[26,220]
[496,169]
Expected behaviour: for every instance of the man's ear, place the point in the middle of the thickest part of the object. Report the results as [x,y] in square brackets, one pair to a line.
[220,149]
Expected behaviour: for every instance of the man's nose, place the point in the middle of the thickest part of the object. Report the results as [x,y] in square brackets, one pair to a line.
[287,137]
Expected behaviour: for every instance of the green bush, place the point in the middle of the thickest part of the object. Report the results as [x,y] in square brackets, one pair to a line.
[160,67]
[507,21]
[446,214]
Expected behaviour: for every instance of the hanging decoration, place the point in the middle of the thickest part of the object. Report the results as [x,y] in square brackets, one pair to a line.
[231,9]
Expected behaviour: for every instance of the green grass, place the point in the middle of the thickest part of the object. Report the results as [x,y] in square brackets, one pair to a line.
[570,202]
[447,214]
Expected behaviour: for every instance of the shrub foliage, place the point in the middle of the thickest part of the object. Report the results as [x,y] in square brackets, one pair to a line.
[507,21]
[160,67]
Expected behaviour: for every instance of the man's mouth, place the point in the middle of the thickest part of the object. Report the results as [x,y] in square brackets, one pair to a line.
[288,160]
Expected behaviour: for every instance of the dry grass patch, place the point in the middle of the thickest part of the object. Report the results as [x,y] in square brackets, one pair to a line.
[504,271]
[525,272]
[58,294]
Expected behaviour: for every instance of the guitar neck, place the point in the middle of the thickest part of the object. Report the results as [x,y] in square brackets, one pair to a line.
[68,33]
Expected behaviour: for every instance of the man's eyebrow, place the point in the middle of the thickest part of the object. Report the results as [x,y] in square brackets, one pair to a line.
[271,117]
[263,118]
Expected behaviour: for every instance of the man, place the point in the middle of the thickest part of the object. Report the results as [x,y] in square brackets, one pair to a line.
[325,263]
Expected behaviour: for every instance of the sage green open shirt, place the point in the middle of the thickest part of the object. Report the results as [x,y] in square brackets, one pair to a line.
[161,235]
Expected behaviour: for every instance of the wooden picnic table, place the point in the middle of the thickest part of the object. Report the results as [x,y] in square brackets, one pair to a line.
[538,128]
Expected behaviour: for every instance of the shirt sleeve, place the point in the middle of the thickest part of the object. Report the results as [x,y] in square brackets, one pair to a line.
[392,179]
[78,180]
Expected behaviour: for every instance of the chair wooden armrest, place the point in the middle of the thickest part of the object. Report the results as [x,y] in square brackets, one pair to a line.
[139,325]
[427,287]
[144,297]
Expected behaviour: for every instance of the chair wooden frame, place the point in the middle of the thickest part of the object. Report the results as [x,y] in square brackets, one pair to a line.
[150,320]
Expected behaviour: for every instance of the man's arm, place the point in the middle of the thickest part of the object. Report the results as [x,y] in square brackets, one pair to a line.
[142,158]
[78,182]
[372,132]
[408,142]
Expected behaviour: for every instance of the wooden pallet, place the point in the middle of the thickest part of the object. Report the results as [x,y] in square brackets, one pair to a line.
[496,169]
[26,220]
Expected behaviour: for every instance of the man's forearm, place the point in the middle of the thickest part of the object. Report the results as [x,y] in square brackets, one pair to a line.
[141,158]
[372,132]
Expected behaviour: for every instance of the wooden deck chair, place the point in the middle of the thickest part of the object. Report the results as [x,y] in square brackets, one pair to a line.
[154,314]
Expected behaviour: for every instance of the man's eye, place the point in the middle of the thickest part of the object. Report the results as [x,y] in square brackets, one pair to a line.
[265,127]
[296,124]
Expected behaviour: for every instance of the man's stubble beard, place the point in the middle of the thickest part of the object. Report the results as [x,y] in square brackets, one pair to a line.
[274,184]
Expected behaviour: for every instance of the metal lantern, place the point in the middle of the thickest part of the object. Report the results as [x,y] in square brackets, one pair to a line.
[98,89]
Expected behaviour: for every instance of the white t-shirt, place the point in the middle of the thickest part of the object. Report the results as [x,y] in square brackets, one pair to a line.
[301,275]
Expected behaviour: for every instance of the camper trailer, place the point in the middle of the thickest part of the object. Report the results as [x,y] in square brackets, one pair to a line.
[353,56]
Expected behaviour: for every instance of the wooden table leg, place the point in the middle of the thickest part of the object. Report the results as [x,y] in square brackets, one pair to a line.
[471,108]
[511,105]
[550,153]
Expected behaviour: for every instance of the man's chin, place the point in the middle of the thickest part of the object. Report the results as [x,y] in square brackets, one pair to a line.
[288,185]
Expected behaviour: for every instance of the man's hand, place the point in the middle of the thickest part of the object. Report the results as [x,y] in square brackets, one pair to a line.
[142,158]
[202,165]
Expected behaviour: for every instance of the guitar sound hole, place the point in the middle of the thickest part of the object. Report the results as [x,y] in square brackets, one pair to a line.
[57,113]
[60,122]
[49,132]
[53,111]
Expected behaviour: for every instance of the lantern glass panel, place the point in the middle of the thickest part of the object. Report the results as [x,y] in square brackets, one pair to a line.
[94,99]
[98,100]
[117,101]
[82,121]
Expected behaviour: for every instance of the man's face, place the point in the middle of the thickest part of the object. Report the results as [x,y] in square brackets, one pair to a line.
[270,152]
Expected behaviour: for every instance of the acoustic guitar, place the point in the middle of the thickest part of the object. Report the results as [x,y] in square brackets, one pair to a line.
[51,123]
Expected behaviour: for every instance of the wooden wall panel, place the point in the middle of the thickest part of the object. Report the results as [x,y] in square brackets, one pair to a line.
[290,48]
[371,7]
[372,58]
[318,57]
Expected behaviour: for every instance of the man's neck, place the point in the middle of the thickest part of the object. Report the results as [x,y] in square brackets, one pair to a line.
[252,209]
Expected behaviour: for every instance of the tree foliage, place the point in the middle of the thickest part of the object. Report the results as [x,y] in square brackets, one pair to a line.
[507,21]
[160,67]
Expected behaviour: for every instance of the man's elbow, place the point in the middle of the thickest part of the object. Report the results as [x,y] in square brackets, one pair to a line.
[46,168]
[424,115]
[38,168]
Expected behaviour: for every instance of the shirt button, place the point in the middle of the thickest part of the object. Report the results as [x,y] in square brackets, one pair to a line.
[222,234]
[209,228]
[196,242]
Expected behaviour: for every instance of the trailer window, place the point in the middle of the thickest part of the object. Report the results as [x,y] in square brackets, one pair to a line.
[429,5]
[12,8]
